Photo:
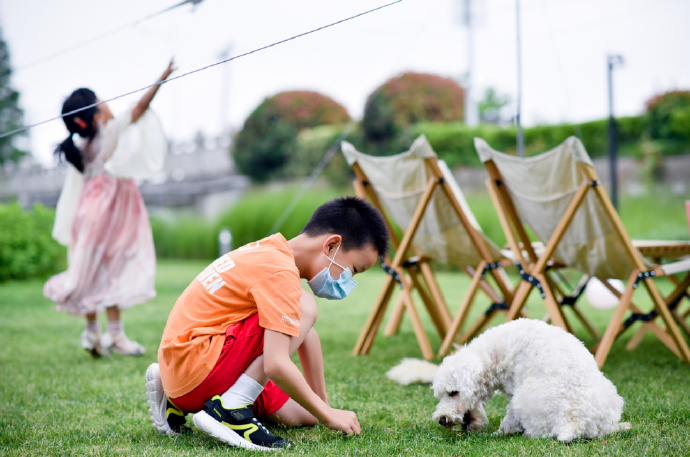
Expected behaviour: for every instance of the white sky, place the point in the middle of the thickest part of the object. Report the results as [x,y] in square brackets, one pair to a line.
[565,44]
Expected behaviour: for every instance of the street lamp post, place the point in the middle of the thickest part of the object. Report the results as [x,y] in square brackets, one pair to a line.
[520,138]
[613,61]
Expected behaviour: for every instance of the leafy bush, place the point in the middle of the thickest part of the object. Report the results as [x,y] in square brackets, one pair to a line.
[668,114]
[409,99]
[27,249]
[267,141]
[314,144]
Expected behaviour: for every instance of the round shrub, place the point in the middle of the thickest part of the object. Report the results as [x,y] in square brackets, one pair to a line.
[667,115]
[268,139]
[408,99]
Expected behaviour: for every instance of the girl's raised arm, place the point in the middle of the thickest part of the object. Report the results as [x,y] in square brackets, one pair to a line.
[145,101]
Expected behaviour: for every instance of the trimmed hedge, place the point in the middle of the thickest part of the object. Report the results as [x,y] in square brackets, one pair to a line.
[454,142]
[27,249]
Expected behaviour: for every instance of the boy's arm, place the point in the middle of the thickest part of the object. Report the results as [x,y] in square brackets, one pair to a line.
[280,368]
[311,358]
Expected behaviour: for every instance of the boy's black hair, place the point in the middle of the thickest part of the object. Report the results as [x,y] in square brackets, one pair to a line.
[354,219]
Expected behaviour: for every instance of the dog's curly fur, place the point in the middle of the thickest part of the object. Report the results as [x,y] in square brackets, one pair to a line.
[552,382]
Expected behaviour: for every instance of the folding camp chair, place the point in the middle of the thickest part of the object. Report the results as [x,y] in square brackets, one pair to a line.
[559,197]
[418,195]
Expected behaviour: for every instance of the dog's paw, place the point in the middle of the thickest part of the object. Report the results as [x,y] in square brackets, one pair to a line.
[624,426]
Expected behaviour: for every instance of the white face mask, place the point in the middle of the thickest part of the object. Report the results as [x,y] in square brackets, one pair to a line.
[324,286]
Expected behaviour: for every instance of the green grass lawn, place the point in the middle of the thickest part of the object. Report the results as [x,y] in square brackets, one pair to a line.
[56,400]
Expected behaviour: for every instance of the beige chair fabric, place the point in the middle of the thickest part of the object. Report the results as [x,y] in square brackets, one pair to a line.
[400,180]
[558,196]
[417,193]
[542,187]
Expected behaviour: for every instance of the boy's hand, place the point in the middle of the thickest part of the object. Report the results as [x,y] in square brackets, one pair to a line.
[345,421]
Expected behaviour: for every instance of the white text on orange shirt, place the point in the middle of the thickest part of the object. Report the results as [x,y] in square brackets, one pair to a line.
[210,277]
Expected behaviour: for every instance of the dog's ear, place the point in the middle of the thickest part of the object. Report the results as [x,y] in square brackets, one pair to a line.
[465,373]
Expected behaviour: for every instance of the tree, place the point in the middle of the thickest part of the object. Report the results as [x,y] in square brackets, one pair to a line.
[11,116]
[668,115]
[409,99]
[268,139]
[491,105]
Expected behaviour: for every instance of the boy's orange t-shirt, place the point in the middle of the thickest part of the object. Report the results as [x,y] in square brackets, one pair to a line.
[259,277]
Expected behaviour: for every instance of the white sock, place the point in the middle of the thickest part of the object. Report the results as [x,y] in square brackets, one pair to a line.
[93,326]
[115,328]
[244,392]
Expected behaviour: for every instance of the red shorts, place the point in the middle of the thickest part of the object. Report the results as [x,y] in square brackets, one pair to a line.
[244,342]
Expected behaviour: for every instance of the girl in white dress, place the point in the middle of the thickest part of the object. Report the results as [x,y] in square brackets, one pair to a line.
[101,216]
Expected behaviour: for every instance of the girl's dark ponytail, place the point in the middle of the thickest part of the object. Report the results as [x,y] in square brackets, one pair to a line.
[71,153]
[80,123]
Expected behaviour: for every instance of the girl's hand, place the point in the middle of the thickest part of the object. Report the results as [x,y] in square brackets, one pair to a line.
[169,70]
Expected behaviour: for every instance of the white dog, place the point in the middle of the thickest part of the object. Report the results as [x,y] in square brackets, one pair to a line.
[552,382]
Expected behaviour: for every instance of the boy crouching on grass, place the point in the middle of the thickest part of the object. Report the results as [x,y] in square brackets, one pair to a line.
[225,351]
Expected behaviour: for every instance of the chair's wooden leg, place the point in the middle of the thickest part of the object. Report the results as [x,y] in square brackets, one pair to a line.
[552,306]
[669,321]
[477,328]
[663,337]
[440,319]
[637,338]
[436,294]
[519,300]
[456,325]
[395,319]
[588,325]
[612,330]
[421,335]
[679,294]
[681,321]
[374,320]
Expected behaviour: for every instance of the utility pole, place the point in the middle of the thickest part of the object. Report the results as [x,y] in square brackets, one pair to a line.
[520,138]
[612,61]
[471,111]
[225,91]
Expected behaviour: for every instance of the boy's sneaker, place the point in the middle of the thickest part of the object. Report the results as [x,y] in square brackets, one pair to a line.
[121,344]
[236,427]
[167,418]
[91,341]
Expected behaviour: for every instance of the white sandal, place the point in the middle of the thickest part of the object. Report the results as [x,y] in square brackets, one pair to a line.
[121,344]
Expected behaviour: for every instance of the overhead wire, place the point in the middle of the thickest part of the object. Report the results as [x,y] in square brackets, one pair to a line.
[312,178]
[99,37]
[405,47]
[22,129]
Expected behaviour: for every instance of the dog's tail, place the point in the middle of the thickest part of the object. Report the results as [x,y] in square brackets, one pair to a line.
[624,426]
[410,371]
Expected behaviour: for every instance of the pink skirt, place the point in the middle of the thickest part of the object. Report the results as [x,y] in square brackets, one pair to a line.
[112,261]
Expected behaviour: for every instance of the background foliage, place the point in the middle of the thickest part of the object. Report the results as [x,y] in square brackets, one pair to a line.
[12,114]
[27,249]
[406,100]
[268,139]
